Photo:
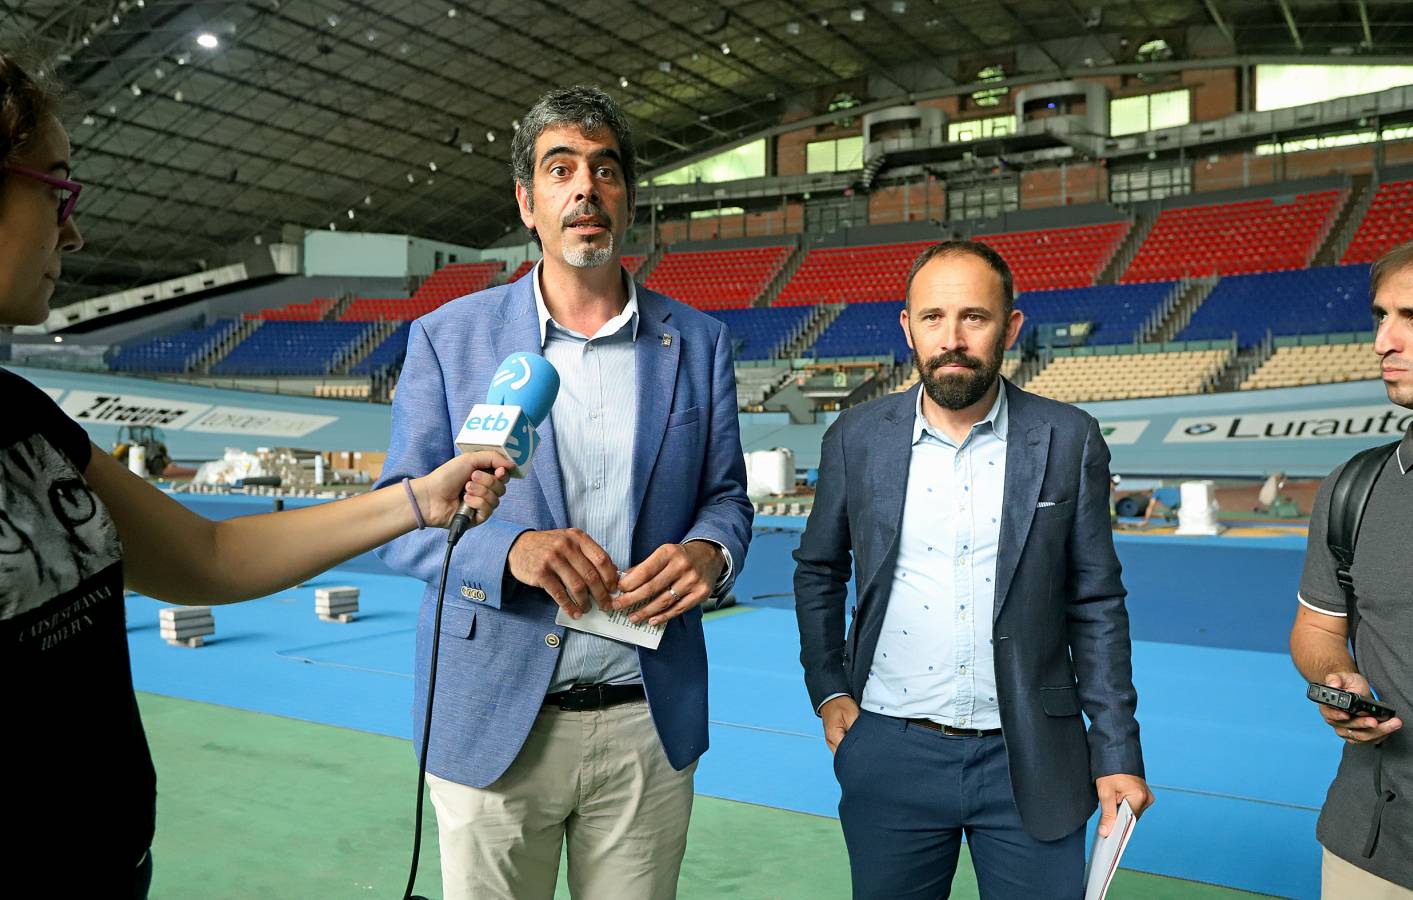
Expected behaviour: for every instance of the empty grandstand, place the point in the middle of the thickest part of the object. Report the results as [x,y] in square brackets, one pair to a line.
[1319,359]
[864,329]
[763,333]
[294,348]
[718,279]
[1259,235]
[1311,301]
[1118,373]
[387,355]
[173,353]
[1388,223]
[1117,312]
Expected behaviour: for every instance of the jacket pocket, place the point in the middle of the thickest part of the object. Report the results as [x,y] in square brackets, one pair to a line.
[687,416]
[1059,701]
[459,621]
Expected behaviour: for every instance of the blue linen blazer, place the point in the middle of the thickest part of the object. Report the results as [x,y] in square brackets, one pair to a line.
[499,643]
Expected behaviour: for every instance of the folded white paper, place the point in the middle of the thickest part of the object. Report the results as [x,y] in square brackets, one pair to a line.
[614,625]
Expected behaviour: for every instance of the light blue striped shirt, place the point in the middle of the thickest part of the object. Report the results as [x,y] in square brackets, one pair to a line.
[595,416]
[934,657]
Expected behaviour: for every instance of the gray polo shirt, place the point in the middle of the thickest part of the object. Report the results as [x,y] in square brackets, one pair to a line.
[1355,814]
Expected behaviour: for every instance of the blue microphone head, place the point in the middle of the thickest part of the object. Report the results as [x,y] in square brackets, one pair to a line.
[527,381]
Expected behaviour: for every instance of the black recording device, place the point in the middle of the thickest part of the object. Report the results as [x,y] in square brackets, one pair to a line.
[1348,701]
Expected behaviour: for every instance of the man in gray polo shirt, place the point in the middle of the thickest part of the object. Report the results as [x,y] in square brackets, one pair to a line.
[1366,825]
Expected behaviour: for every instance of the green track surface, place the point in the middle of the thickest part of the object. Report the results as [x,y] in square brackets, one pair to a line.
[252,806]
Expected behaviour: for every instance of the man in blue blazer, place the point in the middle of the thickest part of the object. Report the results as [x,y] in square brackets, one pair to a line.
[990,612]
[636,495]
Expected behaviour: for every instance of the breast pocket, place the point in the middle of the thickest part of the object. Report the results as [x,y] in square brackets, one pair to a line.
[459,621]
[683,417]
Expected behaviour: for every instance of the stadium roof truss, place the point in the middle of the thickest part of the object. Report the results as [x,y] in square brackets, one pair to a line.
[396,115]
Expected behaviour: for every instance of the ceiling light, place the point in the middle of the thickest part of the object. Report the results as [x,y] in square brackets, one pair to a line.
[183,59]
[332,19]
[117,18]
[371,35]
[58,339]
[792,27]
[89,120]
[333,227]
[514,124]
[725,48]
[823,22]
[466,147]
[451,13]
[159,72]
[432,166]
[112,109]
[178,96]
[900,6]
[664,66]
[491,136]
[208,40]
[404,48]
[367,199]
[411,179]
[623,81]
[857,15]
[350,215]
[136,91]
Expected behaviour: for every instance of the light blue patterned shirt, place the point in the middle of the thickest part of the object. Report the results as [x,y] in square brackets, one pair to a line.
[934,658]
[595,416]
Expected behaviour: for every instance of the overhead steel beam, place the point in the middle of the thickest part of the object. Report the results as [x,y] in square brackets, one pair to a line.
[1364,20]
[1220,22]
[1290,23]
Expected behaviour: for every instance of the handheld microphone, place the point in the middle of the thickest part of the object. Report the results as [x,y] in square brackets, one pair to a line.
[521,394]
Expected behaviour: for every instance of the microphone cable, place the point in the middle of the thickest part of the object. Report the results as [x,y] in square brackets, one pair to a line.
[459,524]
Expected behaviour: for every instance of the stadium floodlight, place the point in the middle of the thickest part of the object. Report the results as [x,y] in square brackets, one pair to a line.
[857,15]
[208,40]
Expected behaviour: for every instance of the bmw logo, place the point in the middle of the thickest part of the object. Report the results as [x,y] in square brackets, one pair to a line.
[1201,428]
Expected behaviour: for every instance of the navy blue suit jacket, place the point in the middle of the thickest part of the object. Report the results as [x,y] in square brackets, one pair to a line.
[499,642]
[1060,628]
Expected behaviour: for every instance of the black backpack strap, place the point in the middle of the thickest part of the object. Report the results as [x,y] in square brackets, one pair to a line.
[1348,498]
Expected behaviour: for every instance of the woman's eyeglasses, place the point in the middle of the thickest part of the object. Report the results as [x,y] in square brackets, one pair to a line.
[67,201]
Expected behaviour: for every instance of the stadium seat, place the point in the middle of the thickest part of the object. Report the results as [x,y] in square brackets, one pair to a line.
[293,348]
[1322,300]
[1388,223]
[1080,379]
[173,353]
[761,333]
[1317,364]
[717,279]
[1259,235]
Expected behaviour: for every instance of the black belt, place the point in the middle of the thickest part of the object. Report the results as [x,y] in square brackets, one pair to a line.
[954,732]
[595,696]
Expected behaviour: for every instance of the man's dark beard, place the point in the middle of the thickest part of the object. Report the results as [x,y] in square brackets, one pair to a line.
[964,389]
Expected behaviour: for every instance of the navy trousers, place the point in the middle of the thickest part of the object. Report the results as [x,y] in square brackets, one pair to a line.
[910,793]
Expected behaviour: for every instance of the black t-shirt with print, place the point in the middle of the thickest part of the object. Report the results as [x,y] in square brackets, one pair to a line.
[78,784]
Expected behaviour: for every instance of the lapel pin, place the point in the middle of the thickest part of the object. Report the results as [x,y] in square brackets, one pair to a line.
[667,340]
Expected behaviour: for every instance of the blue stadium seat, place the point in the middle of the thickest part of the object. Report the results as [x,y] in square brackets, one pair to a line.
[1307,301]
[293,348]
[865,329]
[1118,310]
[761,333]
[387,354]
[174,353]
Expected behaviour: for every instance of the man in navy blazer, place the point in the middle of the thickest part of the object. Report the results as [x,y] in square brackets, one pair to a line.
[990,612]
[543,735]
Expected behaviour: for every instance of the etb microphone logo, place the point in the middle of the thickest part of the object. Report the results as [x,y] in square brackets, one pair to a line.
[505,429]
[514,373]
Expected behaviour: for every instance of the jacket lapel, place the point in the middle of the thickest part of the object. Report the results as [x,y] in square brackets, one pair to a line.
[658,351]
[1026,455]
[518,330]
[887,477]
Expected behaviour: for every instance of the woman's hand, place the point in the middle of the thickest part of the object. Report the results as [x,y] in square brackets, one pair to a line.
[475,479]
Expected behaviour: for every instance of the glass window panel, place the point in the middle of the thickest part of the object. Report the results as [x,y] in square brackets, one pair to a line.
[1281,86]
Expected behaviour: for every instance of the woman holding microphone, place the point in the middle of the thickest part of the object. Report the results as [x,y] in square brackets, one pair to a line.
[76,528]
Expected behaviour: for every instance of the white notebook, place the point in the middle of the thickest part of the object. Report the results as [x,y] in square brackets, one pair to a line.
[1104,858]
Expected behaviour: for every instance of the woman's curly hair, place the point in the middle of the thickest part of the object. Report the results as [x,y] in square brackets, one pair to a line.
[25,102]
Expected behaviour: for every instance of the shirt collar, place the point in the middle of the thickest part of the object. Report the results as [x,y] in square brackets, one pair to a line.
[1405,452]
[629,316]
[997,417]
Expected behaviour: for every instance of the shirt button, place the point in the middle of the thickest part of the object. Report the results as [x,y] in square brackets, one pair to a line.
[551,640]
[593,415]
[961,721]
[962,669]
[596,485]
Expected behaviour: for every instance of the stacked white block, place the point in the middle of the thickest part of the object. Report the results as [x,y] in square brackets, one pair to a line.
[186,626]
[336,604]
[1198,512]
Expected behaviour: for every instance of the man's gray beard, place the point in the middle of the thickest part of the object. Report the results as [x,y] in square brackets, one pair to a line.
[590,257]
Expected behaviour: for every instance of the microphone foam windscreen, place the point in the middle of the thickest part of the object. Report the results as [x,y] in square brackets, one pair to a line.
[527,381]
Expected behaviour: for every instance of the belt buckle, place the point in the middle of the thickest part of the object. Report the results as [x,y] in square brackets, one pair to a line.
[961,732]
